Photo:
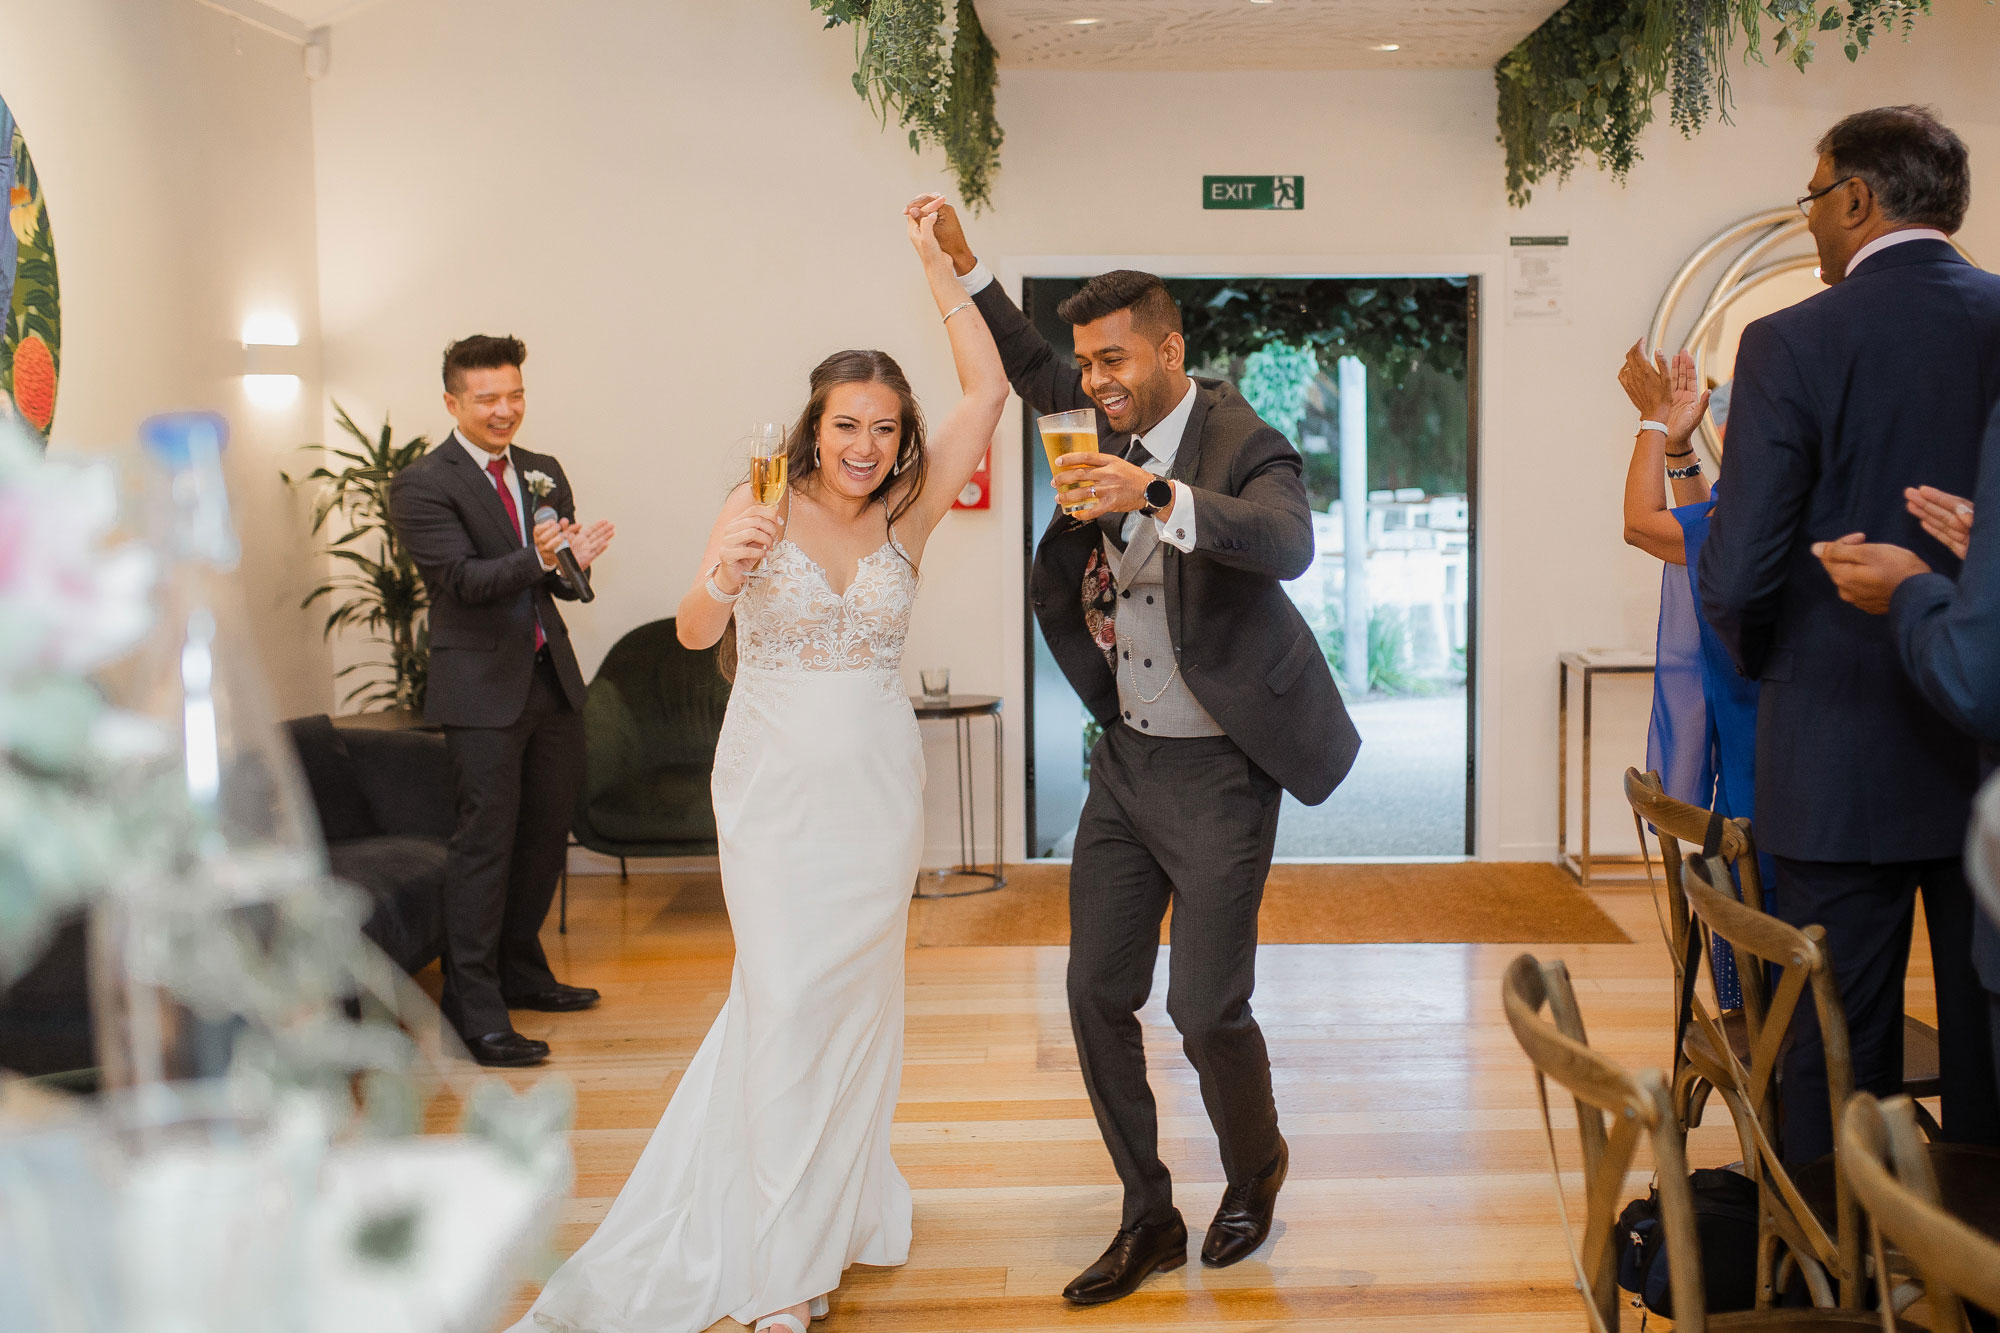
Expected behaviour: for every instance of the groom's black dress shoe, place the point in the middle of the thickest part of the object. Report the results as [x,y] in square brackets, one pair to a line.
[1135,1255]
[557,999]
[507,1050]
[1244,1220]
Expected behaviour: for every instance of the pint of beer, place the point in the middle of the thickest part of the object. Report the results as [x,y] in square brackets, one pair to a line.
[1069,433]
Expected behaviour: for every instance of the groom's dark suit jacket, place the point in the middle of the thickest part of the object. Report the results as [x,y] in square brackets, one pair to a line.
[486,588]
[1245,651]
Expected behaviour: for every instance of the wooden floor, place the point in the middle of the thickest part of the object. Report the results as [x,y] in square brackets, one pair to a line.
[1419,1196]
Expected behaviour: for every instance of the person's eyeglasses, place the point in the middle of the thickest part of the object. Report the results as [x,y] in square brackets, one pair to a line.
[1805,201]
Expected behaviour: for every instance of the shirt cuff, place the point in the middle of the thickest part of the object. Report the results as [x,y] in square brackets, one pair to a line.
[1178,531]
[976,281]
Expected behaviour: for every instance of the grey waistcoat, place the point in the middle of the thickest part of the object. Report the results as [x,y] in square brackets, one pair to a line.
[1145,650]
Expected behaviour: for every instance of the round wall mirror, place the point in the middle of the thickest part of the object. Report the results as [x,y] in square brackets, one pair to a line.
[1748,270]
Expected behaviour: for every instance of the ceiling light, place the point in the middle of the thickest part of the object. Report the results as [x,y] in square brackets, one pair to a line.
[1386,46]
[1083,23]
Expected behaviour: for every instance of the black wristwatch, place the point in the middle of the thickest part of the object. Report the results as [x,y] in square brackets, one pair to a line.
[1159,494]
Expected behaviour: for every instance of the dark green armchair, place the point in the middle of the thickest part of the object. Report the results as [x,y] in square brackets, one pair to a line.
[650,721]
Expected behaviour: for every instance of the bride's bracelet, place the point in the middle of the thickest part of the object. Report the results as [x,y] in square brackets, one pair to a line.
[716,592]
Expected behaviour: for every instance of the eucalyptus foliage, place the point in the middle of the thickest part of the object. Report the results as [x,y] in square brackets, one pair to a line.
[378,589]
[1587,80]
[929,64]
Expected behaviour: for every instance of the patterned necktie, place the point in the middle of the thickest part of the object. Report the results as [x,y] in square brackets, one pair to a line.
[498,467]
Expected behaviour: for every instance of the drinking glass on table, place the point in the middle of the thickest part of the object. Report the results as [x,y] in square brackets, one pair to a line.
[1069,433]
[768,466]
[937,684]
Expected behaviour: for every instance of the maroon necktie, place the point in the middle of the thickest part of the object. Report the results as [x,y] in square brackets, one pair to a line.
[498,467]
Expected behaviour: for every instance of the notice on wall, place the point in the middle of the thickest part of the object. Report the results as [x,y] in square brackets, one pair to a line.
[1537,280]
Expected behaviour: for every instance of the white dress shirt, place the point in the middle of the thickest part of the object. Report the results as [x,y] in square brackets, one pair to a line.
[1163,441]
[1881,243]
[511,478]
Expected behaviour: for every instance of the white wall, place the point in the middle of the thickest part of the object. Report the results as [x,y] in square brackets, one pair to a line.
[681,207]
[174,147]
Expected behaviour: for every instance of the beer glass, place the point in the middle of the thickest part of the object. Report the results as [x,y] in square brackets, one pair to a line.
[1069,433]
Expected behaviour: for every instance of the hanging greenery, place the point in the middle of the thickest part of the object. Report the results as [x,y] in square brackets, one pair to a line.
[1588,78]
[1393,324]
[929,64]
[1277,380]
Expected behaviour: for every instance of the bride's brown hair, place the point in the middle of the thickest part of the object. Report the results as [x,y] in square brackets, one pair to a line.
[911,470]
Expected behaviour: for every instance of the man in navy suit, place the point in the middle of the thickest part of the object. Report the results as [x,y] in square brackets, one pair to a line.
[1949,638]
[1864,789]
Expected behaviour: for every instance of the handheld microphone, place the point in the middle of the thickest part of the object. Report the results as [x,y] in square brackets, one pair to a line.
[573,573]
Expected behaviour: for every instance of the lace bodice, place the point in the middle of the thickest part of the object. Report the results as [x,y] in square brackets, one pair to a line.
[789,618]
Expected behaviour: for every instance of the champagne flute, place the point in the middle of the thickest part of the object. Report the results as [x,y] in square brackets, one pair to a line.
[768,466]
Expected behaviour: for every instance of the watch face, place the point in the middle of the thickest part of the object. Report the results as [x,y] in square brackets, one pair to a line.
[1159,493]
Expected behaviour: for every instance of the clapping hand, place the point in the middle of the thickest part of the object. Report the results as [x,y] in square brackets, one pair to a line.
[1664,393]
[1685,401]
[1645,383]
[1867,573]
[586,544]
[1945,516]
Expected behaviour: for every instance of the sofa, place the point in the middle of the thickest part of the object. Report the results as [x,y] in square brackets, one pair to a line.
[385,808]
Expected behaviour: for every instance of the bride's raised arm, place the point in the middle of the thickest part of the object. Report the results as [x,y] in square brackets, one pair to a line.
[960,441]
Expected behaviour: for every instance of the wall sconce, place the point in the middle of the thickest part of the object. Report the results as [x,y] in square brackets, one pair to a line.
[271,361]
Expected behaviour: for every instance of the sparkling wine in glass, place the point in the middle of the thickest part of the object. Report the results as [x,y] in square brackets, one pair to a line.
[767,463]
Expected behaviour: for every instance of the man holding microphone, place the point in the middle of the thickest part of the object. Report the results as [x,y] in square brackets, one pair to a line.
[505,686]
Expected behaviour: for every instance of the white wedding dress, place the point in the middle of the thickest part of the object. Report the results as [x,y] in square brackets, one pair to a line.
[770,1171]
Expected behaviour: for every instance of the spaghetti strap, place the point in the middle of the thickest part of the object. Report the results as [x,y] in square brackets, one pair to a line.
[891,525]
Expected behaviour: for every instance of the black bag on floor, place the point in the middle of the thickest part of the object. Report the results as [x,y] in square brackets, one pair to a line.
[1725,1223]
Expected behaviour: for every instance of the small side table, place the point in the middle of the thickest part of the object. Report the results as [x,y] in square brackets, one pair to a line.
[1588,665]
[960,710]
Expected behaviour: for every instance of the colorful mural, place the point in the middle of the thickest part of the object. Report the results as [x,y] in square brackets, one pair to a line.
[30,309]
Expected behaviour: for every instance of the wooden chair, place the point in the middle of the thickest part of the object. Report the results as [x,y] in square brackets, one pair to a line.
[1889,1164]
[1639,1108]
[1677,822]
[1809,1210]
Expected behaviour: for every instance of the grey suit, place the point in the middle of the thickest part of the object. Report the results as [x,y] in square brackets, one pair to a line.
[512,718]
[1189,819]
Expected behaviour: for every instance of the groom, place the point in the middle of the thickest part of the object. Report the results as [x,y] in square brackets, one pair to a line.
[1161,602]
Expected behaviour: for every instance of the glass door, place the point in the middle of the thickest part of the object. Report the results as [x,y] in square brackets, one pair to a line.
[1375,381]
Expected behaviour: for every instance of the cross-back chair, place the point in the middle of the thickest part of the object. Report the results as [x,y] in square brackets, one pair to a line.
[1676,822]
[1889,1164]
[1639,1109]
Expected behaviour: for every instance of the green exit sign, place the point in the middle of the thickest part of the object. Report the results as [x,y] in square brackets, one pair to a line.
[1253,192]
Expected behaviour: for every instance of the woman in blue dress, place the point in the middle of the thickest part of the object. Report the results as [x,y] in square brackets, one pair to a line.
[1703,738]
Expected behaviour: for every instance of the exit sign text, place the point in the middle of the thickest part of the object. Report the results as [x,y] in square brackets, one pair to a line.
[1286,192]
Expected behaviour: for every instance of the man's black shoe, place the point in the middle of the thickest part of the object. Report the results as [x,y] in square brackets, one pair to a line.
[1244,1220]
[1135,1255]
[507,1050]
[557,999]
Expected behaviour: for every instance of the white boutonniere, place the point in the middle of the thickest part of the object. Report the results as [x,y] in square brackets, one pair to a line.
[539,484]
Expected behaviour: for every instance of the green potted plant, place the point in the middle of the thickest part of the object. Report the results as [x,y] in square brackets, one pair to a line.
[377,589]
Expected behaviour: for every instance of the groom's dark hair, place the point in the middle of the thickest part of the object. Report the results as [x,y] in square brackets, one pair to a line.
[1154,312]
[482,351]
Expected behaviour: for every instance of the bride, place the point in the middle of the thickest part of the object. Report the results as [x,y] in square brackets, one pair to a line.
[770,1171]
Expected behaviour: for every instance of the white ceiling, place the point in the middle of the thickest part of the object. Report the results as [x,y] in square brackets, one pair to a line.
[1201,34]
[1245,35]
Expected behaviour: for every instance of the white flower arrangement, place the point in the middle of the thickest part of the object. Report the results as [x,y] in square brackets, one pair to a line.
[539,483]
